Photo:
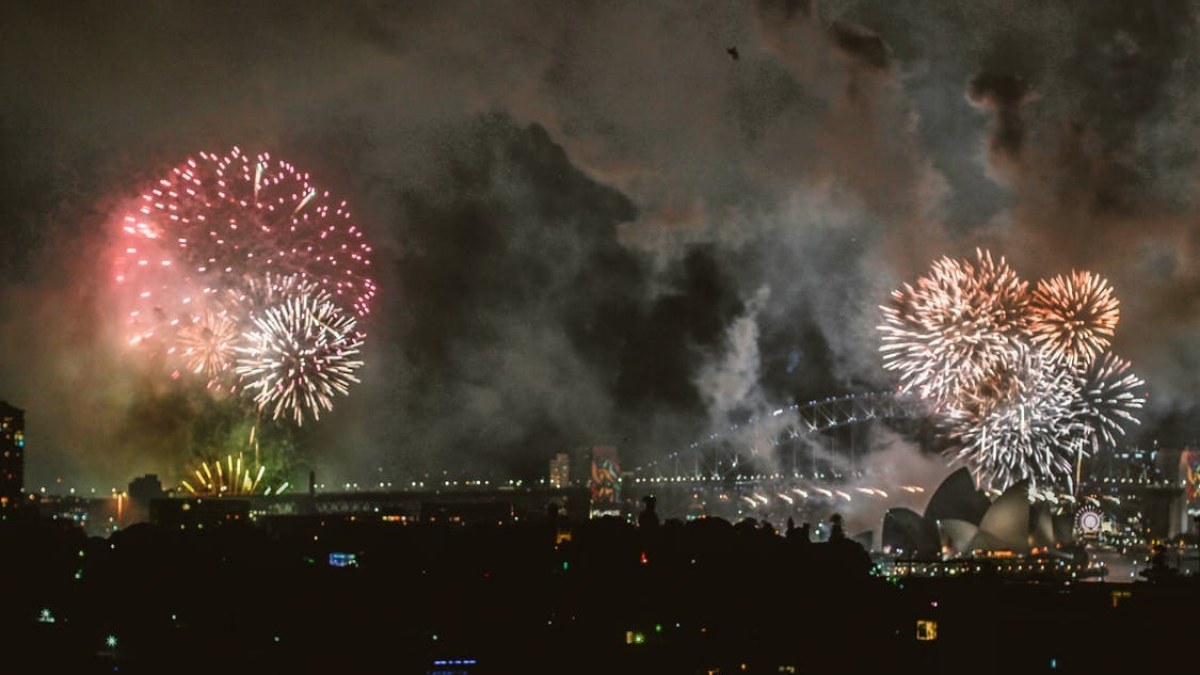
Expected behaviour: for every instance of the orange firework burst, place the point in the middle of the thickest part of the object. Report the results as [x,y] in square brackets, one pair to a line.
[208,344]
[1074,316]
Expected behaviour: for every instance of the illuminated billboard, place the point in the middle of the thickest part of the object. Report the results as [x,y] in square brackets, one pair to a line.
[606,477]
[1189,470]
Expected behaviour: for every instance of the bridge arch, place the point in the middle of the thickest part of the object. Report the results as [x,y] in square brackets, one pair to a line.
[749,447]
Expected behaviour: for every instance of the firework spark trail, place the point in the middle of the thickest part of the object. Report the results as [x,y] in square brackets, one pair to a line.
[300,355]
[235,477]
[1074,317]
[257,294]
[1019,422]
[216,222]
[1107,397]
[955,326]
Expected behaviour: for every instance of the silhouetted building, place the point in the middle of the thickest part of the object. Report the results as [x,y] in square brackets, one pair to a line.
[1164,510]
[145,488]
[142,491]
[648,517]
[198,512]
[467,513]
[12,453]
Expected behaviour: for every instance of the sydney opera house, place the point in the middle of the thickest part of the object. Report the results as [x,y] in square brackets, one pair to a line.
[1023,532]
[961,520]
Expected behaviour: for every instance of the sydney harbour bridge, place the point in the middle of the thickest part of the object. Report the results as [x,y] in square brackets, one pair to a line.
[813,439]
[810,448]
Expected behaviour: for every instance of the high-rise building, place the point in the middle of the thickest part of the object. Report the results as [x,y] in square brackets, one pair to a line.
[560,470]
[12,453]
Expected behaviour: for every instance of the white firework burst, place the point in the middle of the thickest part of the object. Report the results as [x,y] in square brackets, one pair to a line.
[954,327]
[300,355]
[1019,422]
[1107,398]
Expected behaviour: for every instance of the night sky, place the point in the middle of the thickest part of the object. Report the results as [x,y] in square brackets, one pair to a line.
[611,223]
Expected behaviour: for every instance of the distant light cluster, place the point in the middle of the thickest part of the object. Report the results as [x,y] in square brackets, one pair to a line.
[225,255]
[1022,380]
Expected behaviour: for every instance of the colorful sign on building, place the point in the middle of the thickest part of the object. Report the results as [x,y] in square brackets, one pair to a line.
[606,477]
[1189,470]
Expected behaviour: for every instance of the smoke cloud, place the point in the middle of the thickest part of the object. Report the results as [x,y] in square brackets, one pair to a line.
[578,207]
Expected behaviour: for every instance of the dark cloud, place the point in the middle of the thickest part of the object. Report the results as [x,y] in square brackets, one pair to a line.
[778,11]
[1003,94]
[517,305]
[861,44]
[521,317]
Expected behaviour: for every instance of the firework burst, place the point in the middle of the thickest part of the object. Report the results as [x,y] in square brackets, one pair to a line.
[1107,397]
[228,479]
[299,355]
[253,297]
[217,222]
[954,326]
[1019,381]
[208,345]
[1018,422]
[239,268]
[1074,317]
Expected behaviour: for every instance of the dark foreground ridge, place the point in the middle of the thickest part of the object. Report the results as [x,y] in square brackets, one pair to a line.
[343,595]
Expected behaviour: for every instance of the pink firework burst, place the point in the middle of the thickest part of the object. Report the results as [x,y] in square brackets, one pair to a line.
[215,225]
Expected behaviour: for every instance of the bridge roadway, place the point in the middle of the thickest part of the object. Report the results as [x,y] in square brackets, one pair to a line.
[412,504]
[676,498]
[725,459]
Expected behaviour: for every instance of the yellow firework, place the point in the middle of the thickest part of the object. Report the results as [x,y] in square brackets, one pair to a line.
[233,477]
